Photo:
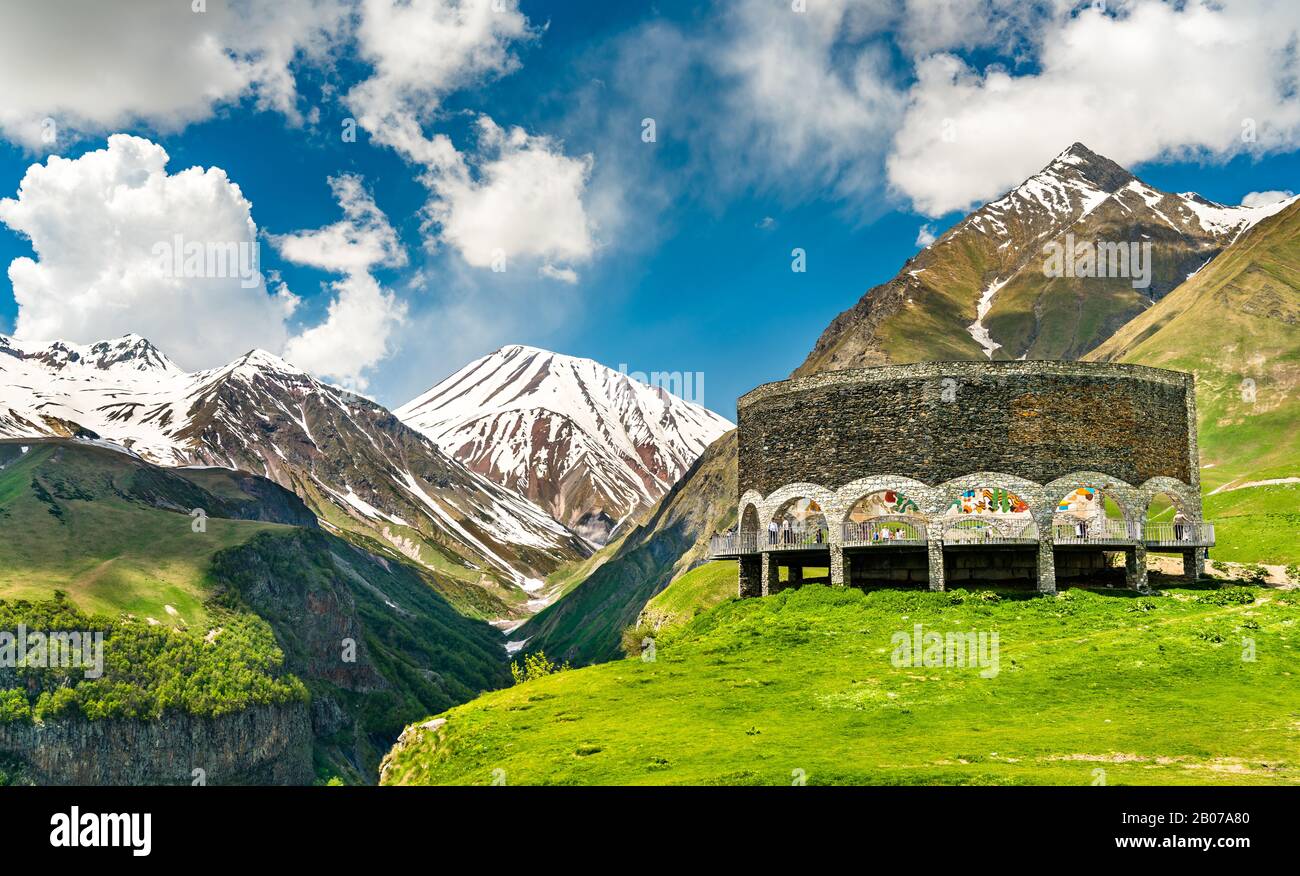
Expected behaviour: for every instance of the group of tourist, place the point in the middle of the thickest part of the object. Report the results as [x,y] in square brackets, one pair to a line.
[794,532]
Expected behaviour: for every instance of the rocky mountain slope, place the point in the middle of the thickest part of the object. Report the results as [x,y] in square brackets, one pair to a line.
[588,444]
[586,624]
[1236,326]
[981,290]
[358,467]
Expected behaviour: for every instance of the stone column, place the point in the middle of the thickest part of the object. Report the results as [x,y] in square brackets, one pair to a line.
[1135,567]
[751,576]
[838,573]
[1046,562]
[1193,564]
[771,575]
[935,548]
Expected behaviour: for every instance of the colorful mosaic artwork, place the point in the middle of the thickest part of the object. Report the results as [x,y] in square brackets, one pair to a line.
[988,501]
[1080,501]
[881,503]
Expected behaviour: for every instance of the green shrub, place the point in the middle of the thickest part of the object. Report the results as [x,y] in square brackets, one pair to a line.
[535,666]
[149,670]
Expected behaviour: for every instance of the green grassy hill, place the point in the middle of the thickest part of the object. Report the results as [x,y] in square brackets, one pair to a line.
[681,601]
[1151,690]
[114,533]
[1236,326]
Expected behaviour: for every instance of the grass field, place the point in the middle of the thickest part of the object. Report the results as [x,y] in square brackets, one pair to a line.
[1149,689]
[1256,524]
[66,524]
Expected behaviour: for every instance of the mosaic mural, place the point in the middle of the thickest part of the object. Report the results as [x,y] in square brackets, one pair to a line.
[881,503]
[988,501]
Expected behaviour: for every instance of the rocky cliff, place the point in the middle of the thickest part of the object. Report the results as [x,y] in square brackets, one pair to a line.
[263,745]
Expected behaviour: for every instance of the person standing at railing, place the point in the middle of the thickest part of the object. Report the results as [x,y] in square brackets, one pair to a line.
[771,532]
[1180,527]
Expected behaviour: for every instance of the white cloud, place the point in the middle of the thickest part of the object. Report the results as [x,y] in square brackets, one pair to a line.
[355,334]
[361,240]
[98,225]
[811,96]
[564,275]
[99,67]
[524,200]
[1263,199]
[518,196]
[1151,80]
[362,315]
[422,50]
[925,236]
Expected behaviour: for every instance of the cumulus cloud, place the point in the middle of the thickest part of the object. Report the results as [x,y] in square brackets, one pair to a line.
[518,195]
[522,199]
[925,236]
[114,235]
[1263,199]
[355,334]
[1146,81]
[91,68]
[362,315]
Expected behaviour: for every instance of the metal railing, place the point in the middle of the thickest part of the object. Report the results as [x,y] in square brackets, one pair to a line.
[797,539]
[733,544]
[1179,535]
[884,532]
[1105,531]
[983,530]
[972,530]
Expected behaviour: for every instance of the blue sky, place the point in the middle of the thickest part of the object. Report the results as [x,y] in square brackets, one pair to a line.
[775,129]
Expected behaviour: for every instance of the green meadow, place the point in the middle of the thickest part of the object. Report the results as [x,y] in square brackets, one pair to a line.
[1091,687]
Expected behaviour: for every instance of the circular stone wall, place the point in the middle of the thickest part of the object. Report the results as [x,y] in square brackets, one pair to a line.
[940,420]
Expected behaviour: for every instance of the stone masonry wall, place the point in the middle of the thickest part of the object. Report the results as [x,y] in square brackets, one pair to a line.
[937,421]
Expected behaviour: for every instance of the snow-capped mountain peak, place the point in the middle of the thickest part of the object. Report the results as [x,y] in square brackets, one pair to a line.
[356,465]
[128,353]
[588,443]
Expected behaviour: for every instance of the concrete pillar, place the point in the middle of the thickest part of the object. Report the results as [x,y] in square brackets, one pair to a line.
[1046,563]
[751,576]
[935,549]
[1193,564]
[771,575]
[838,573]
[1135,567]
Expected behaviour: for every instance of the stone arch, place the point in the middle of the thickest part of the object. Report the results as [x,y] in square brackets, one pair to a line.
[849,495]
[1027,491]
[783,497]
[750,519]
[1126,496]
[1185,499]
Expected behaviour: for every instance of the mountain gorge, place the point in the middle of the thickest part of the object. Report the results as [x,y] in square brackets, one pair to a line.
[590,445]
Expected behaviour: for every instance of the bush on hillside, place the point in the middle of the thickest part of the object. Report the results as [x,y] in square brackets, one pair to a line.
[536,666]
